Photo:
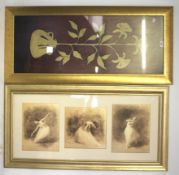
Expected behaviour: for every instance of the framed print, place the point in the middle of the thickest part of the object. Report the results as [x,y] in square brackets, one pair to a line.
[86,127]
[96,45]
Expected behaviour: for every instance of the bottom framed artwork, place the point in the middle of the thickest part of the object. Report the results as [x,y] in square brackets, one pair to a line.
[86,127]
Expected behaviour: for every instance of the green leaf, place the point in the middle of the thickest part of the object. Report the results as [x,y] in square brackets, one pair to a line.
[106,38]
[100,62]
[77,54]
[105,57]
[91,57]
[66,59]
[59,58]
[92,37]
[116,31]
[102,29]
[63,54]
[72,34]
[73,25]
[82,32]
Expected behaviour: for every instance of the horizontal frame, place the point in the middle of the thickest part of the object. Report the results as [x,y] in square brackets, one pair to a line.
[99,78]
[29,95]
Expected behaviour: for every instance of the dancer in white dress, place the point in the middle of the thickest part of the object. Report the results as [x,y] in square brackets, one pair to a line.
[132,137]
[41,131]
[84,136]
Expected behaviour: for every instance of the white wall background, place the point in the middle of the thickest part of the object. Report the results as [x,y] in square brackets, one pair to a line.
[174,90]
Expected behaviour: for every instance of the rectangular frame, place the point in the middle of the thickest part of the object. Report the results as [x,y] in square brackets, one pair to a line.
[98,78]
[18,95]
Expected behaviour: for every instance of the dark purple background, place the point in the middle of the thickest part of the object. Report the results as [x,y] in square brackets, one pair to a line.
[59,25]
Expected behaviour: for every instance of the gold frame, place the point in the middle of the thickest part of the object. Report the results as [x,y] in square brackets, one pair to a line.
[165,78]
[162,157]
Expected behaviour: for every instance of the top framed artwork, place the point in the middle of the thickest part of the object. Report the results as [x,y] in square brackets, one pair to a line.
[88,45]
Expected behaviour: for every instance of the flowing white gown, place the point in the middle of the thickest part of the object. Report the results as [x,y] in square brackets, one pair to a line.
[85,137]
[42,133]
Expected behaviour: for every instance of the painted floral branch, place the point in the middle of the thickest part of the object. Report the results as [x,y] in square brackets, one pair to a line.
[40,40]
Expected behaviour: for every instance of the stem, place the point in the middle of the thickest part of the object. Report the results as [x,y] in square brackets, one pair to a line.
[95,49]
[91,44]
[99,39]
[71,49]
[114,51]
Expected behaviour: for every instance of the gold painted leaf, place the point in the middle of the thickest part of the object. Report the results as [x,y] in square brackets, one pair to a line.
[59,58]
[116,31]
[115,61]
[66,59]
[106,38]
[72,34]
[102,29]
[124,27]
[119,58]
[91,58]
[63,54]
[73,25]
[123,63]
[137,44]
[100,62]
[82,32]
[77,54]
[105,57]
[92,37]
[136,51]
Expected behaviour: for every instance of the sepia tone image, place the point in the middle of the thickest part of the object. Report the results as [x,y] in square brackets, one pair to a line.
[85,127]
[130,128]
[40,127]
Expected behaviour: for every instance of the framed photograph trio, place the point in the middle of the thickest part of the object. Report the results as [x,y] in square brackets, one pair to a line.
[86,127]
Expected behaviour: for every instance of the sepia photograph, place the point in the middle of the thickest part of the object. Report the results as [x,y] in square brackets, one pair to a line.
[130,130]
[85,127]
[40,127]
